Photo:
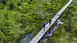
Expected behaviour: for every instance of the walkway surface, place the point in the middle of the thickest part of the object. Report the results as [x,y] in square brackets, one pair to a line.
[42,32]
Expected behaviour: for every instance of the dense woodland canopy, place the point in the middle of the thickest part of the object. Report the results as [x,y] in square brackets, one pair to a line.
[19,17]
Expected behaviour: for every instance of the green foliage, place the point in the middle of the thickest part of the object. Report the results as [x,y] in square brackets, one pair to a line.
[11,6]
[19,17]
[4,2]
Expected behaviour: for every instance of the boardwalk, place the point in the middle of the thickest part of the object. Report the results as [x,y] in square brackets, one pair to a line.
[42,32]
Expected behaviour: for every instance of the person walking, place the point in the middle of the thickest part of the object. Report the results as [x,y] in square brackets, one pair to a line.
[44,25]
[49,22]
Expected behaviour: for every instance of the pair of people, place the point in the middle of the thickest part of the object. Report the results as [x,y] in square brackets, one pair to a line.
[45,24]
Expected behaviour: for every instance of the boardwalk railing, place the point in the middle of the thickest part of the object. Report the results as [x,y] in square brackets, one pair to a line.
[54,19]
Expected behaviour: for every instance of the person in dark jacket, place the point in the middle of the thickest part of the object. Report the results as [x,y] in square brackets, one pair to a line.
[44,25]
[49,22]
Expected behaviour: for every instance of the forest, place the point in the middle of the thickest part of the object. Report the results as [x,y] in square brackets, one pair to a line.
[21,17]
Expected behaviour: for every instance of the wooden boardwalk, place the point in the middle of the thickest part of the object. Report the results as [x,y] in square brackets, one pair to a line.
[42,32]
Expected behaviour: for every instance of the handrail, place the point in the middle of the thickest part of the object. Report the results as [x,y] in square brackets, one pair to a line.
[42,32]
